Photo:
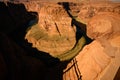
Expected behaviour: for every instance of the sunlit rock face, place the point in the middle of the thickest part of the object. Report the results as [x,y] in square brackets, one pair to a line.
[85,11]
[97,59]
[104,24]
[101,56]
[53,33]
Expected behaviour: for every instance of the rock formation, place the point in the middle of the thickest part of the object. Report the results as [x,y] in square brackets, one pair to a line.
[100,59]
[102,55]
[53,33]
[59,28]
[104,51]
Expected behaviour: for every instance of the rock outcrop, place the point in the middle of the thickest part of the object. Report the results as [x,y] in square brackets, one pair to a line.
[56,34]
[53,33]
[100,59]
[101,56]
[85,11]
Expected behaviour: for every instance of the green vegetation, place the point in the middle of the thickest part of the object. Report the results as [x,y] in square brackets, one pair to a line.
[36,32]
[73,52]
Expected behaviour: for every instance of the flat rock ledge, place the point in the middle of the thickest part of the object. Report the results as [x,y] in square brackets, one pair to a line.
[100,59]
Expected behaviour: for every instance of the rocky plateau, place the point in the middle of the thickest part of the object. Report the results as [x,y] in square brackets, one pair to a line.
[90,29]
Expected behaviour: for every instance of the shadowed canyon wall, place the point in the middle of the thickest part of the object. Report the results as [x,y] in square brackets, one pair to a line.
[53,26]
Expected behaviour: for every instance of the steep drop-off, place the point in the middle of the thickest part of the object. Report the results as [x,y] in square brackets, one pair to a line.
[56,28]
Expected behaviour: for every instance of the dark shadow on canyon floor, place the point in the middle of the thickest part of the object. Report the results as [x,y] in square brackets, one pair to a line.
[18,60]
[117,76]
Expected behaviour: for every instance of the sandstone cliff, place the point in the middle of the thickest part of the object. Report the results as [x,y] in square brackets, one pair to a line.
[53,33]
[56,34]
[101,56]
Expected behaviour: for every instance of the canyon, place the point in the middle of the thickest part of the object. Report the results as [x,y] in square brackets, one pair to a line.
[58,37]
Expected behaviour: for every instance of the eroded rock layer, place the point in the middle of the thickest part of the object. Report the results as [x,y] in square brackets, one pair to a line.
[53,33]
[100,57]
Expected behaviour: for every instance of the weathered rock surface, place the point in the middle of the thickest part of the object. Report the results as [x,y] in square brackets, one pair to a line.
[102,56]
[92,63]
[53,33]
[85,11]
[103,52]
[98,60]
[106,26]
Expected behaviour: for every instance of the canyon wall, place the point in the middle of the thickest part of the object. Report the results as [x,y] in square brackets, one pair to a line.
[57,30]
[98,60]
